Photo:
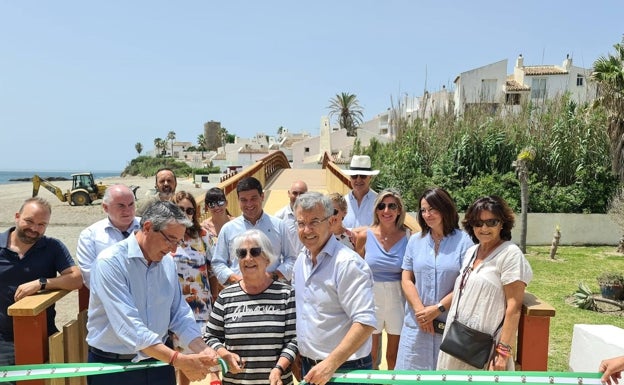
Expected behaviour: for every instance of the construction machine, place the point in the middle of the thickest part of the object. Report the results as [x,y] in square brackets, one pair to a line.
[84,189]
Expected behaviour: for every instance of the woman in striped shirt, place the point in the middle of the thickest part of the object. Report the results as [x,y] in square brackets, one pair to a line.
[252,324]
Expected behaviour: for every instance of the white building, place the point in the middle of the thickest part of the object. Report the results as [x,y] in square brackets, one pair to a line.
[490,86]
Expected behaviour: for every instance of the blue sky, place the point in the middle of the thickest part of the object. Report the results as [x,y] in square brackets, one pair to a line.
[81,82]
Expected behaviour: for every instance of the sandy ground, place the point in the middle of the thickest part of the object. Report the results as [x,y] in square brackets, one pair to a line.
[68,221]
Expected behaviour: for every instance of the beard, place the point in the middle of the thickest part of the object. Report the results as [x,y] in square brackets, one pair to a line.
[26,238]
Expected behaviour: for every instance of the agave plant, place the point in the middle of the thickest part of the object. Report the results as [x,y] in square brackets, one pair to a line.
[584,298]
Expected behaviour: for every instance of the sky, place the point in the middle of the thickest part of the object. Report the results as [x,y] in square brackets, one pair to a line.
[81,82]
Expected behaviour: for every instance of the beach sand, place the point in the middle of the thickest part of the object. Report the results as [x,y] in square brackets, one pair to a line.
[68,221]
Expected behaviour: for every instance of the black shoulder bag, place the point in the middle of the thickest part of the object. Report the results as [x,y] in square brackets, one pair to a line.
[465,343]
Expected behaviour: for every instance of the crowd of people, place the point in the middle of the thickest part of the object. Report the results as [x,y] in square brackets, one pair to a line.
[306,292]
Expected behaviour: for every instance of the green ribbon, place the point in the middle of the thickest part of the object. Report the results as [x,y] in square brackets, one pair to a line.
[45,371]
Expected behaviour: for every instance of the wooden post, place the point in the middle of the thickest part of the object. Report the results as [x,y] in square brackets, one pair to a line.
[533,334]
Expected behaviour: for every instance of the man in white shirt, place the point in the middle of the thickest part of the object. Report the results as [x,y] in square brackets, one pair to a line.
[286,213]
[119,205]
[333,295]
[361,198]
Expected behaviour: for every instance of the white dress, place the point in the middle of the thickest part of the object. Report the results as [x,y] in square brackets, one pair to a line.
[482,304]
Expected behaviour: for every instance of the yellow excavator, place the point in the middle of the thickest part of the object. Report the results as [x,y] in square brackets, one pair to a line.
[84,189]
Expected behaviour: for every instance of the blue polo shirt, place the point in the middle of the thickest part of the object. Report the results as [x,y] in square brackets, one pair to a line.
[47,257]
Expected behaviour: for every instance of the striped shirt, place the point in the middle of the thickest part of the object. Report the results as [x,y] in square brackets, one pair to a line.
[259,328]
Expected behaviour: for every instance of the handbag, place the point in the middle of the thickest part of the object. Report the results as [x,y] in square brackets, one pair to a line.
[465,343]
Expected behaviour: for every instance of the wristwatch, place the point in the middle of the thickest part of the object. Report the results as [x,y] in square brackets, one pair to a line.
[441,308]
[43,282]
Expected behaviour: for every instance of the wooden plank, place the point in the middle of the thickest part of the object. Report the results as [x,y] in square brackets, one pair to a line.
[73,344]
[36,303]
[57,355]
[535,307]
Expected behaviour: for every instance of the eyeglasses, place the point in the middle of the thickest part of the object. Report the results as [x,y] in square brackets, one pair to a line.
[312,224]
[354,177]
[170,242]
[430,210]
[212,205]
[254,252]
[187,210]
[488,222]
[391,206]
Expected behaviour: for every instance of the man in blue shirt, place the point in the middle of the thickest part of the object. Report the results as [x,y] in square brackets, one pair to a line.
[361,198]
[136,298]
[250,198]
[29,262]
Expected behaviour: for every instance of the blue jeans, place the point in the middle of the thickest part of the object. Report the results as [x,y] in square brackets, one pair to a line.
[162,375]
[7,354]
[365,363]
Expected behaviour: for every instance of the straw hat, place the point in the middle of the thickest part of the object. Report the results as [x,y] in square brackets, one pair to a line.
[360,165]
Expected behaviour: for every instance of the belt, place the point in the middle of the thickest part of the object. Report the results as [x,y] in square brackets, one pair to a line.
[112,356]
[312,362]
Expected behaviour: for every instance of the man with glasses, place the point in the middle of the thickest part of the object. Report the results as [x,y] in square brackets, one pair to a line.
[119,205]
[333,295]
[250,198]
[286,213]
[361,198]
[136,299]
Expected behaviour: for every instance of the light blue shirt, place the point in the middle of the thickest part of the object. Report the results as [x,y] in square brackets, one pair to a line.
[132,305]
[330,298]
[96,238]
[362,214]
[286,214]
[224,264]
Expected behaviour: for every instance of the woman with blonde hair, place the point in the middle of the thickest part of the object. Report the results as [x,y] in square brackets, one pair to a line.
[383,246]
[342,234]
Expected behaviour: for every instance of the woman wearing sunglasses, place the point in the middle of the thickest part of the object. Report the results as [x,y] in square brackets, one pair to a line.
[491,285]
[216,205]
[383,246]
[430,266]
[252,324]
[192,258]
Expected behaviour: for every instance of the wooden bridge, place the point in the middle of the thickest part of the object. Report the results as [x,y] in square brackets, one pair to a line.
[32,346]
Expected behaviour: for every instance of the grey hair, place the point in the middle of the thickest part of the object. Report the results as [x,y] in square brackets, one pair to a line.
[163,213]
[310,200]
[107,198]
[260,239]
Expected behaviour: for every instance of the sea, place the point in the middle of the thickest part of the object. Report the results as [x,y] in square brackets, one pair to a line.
[7,176]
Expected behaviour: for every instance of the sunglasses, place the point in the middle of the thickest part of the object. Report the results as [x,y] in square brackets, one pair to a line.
[391,206]
[212,205]
[254,252]
[359,176]
[487,222]
[187,210]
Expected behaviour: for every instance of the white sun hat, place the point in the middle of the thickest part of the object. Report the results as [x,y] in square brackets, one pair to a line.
[360,165]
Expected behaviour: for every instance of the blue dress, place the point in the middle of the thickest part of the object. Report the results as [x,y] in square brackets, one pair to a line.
[434,279]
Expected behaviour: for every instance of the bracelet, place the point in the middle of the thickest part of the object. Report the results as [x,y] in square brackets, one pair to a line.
[279,367]
[503,353]
[173,357]
[504,346]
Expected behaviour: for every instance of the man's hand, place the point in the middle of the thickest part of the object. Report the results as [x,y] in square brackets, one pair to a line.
[26,289]
[321,373]
[612,370]
[195,366]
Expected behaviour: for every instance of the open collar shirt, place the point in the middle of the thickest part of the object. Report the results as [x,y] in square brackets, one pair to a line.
[133,305]
[94,239]
[224,264]
[360,214]
[330,297]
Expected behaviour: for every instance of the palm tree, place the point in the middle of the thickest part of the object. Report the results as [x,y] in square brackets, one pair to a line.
[138,147]
[159,144]
[608,73]
[171,137]
[201,142]
[349,112]
[522,168]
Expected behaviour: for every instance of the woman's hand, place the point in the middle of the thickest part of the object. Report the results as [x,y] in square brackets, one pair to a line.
[234,362]
[275,377]
[499,363]
[425,317]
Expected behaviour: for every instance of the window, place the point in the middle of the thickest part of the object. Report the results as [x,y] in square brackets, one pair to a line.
[512,99]
[580,80]
[538,88]
[488,90]
[306,150]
